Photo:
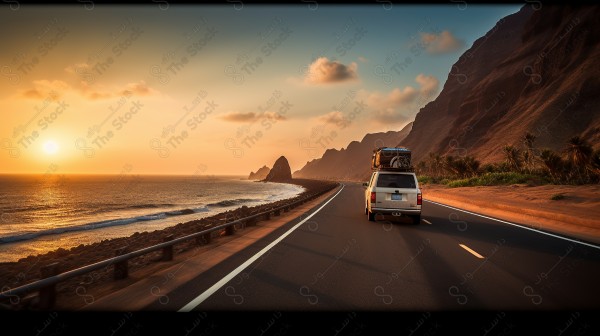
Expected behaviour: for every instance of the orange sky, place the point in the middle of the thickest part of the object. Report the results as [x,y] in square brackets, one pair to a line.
[212,89]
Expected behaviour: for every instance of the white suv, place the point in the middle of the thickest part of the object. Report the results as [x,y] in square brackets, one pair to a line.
[393,193]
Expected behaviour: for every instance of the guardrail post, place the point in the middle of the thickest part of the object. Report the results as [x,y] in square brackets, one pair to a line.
[277,212]
[121,270]
[230,230]
[268,215]
[167,251]
[207,237]
[48,293]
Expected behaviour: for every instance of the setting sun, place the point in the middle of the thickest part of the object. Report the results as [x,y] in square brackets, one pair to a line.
[50,147]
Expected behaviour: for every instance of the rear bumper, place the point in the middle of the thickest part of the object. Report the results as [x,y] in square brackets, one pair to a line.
[396,212]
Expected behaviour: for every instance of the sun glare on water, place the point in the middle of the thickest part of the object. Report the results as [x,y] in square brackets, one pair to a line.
[50,147]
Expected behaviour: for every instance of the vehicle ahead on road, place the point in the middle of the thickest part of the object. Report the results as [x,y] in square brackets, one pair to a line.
[393,193]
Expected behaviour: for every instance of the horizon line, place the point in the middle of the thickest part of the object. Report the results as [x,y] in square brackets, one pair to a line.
[116,174]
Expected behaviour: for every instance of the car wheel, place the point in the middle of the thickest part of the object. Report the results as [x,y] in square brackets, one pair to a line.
[416,219]
[371,216]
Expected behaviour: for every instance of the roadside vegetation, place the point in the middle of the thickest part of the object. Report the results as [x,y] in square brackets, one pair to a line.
[577,164]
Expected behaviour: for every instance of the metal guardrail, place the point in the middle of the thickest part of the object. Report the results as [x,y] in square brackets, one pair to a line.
[46,286]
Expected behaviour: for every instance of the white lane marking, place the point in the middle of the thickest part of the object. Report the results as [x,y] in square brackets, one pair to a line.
[471,251]
[426,221]
[200,298]
[518,225]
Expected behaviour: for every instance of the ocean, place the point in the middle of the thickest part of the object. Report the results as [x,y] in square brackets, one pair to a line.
[40,213]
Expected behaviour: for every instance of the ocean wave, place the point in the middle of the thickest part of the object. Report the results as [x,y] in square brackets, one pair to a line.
[100,224]
[149,206]
[237,201]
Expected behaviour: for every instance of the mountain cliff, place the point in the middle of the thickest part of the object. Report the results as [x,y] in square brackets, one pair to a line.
[353,162]
[260,174]
[536,71]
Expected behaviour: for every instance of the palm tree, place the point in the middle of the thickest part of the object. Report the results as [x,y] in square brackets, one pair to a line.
[460,167]
[595,164]
[513,157]
[579,151]
[554,164]
[422,167]
[528,140]
[527,158]
[528,154]
[596,159]
[472,165]
[430,164]
[449,165]
[579,154]
[435,163]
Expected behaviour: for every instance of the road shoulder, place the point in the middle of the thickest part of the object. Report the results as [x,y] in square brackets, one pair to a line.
[576,216]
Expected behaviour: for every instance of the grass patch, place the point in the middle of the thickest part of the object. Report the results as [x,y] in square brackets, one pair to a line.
[557,197]
[426,179]
[494,179]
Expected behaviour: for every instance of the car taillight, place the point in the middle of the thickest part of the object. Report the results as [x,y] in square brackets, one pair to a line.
[373,197]
[419,199]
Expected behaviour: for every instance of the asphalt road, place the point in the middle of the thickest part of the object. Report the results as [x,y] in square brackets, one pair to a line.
[452,260]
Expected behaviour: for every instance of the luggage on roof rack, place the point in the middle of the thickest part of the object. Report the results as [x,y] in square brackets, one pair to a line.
[392,159]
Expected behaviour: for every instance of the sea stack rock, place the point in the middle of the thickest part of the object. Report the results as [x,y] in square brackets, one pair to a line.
[260,174]
[281,171]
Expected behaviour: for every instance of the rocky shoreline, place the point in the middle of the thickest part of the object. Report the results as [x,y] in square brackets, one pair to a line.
[27,270]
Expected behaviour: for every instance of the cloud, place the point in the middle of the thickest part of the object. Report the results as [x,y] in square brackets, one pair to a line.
[333,117]
[429,84]
[78,68]
[98,91]
[396,98]
[250,117]
[394,106]
[390,117]
[33,94]
[240,117]
[94,92]
[138,89]
[84,83]
[46,89]
[322,70]
[445,42]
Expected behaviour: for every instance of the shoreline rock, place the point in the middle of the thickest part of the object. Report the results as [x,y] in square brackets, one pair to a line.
[260,174]
[281,171]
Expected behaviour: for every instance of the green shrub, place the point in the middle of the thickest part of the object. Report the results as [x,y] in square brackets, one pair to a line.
[468,182]
[492,179]
[425,179]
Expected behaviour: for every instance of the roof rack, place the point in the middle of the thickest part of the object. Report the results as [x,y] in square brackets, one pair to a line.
[392,169]
[397,149]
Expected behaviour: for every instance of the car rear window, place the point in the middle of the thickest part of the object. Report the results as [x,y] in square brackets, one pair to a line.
[396,181]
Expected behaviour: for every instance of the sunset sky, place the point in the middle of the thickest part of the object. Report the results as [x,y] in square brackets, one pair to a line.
[216,89]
